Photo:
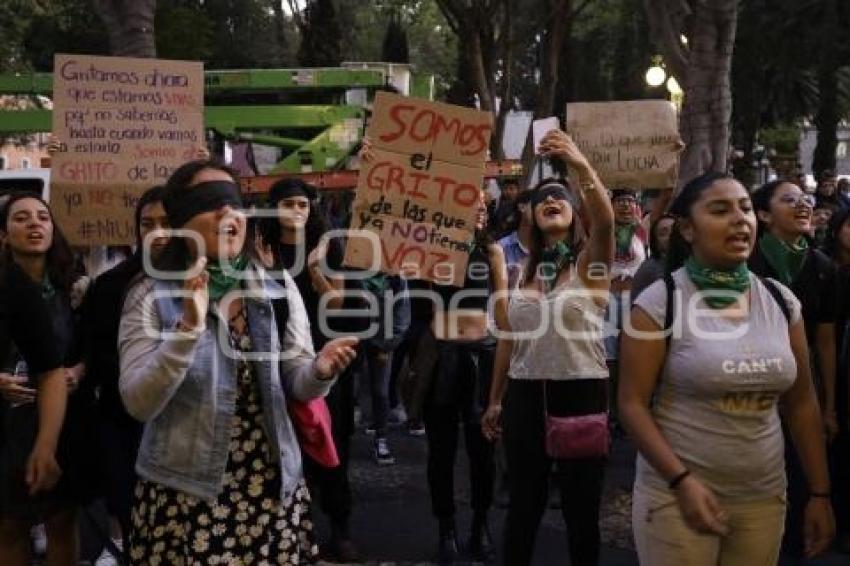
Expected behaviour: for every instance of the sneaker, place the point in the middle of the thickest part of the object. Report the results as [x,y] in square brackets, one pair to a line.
[383,456]
[106,559]
[397,416]
[415,429]
[39,540]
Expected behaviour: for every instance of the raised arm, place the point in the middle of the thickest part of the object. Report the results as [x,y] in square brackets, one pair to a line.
[600,246]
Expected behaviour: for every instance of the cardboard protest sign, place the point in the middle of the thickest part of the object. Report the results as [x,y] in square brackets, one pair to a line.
[420,193]
[632,144]
[124,125]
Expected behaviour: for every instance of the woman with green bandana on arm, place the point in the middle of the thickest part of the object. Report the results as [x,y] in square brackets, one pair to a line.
[784,253]
[702,401]
[207,365]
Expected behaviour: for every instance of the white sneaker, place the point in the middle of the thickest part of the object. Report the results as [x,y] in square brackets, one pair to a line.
[39,540]
[106,559]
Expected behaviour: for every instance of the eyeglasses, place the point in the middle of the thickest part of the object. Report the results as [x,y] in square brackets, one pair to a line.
[798,201]
[624,200]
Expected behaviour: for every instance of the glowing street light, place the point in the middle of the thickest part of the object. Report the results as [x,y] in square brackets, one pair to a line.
[673,86]
[655,75]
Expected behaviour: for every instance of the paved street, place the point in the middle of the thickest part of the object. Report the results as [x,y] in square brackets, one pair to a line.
[393,523]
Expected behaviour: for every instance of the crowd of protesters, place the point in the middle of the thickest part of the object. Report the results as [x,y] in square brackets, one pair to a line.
[206,386]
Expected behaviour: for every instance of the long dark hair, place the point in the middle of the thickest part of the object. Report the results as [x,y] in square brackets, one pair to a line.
[576,237]
[59,258]
[831,245]
[654,245]
[177,256]
[316,226]
[761,200]
[681,208]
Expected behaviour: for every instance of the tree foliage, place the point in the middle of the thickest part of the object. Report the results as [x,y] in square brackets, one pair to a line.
[395,48]
[320,36]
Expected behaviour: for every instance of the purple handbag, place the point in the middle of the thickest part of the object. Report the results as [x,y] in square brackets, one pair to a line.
[581,436]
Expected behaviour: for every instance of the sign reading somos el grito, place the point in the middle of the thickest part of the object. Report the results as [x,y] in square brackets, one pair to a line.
[421,192]
[124,126]
[631,144]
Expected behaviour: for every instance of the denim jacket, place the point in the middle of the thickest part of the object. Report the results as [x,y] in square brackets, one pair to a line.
[183,385]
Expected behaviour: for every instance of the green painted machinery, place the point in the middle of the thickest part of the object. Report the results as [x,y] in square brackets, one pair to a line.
[315,116]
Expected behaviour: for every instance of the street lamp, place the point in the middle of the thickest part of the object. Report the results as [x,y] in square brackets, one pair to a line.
[677,95]
[655,75]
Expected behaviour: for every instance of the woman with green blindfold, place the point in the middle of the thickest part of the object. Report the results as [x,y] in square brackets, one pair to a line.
[209,358]
[708,357]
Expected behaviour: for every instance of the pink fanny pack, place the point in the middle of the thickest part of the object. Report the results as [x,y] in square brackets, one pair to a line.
[580,436]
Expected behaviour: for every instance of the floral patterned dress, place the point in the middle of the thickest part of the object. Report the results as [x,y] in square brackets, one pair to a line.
[248,524]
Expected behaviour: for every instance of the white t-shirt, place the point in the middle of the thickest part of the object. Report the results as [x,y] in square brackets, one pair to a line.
[716,401]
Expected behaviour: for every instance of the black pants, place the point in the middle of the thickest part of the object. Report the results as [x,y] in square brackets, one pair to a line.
[460,385]
[332,484]
[580,481]
[797,493]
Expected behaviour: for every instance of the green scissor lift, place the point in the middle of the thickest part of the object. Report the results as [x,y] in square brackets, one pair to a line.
[316,116]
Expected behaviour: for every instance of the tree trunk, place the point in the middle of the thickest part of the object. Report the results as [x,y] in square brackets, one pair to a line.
[828,114]
[826,121]
[129,25]
[544,106]
[707,108]
[506,92]
[479,74]
[703,69]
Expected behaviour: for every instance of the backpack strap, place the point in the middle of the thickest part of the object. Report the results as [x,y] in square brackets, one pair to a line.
[778,297]
[670,313]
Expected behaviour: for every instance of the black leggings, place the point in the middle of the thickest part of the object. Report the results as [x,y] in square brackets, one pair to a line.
[332,484]
[580,481]
[460,385]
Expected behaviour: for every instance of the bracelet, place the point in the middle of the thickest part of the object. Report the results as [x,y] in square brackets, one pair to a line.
[674,483]
[587,185]
[820,494]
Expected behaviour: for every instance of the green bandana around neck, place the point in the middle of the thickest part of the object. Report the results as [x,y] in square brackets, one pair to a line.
[707,279]
[624,234]
[786,259]
[47,288]
[377,284]
[552,260]
[222,281]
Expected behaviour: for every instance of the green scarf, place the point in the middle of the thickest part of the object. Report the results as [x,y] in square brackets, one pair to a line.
[47,288]
[552,260]
[222,281]
[786,259]
[706,279]
[624,234]
[377,284]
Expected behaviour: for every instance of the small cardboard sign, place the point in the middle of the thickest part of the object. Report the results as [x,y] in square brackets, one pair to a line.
[632,145]
[421,191]
[124,125]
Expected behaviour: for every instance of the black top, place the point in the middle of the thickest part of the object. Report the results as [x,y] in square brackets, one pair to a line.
[101,320]
[814,286]
[477,280]
[286,258]
[26,324]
